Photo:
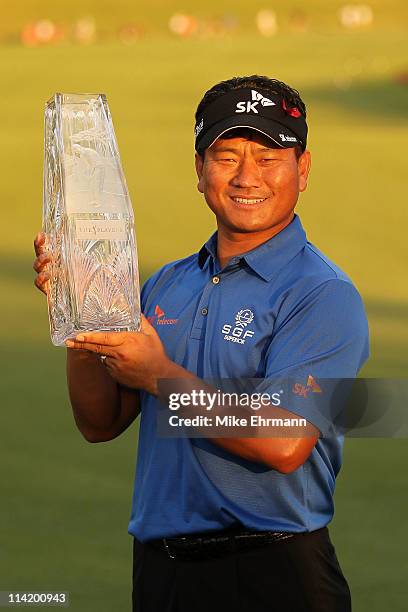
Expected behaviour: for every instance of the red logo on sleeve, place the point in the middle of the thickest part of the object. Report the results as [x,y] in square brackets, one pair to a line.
[303,390]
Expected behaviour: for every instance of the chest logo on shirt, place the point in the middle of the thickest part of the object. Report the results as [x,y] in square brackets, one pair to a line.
[159,318]
[238,332]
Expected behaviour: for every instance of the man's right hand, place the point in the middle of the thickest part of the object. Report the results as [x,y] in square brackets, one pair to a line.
[40,263]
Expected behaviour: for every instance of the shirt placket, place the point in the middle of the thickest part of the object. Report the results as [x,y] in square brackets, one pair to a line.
[200,318]
[214,283]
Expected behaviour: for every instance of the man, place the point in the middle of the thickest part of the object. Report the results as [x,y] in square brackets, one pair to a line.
[233,523]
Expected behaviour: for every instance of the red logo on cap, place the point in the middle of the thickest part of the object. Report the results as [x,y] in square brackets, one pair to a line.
[293,112]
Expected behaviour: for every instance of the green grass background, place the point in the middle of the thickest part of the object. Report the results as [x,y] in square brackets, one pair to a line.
[65,504]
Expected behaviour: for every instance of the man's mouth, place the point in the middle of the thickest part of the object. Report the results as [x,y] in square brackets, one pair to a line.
[248,200]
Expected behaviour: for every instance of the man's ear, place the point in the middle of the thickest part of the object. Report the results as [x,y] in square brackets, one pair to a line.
[199,163]
[304,164]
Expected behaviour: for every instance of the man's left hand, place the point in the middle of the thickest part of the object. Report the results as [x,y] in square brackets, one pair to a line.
[133,359]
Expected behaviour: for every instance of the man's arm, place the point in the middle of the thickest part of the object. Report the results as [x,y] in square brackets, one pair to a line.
[102,408]
[281,453]
[138,359]
[327,337]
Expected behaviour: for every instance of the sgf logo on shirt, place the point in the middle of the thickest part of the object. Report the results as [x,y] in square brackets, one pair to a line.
[238,332]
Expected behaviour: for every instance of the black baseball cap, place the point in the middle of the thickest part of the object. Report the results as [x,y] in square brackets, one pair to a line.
[268,114]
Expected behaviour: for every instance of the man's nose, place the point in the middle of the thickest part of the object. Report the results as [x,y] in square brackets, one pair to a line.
[247,174]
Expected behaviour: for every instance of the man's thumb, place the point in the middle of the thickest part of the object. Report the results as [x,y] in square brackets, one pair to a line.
[145,326]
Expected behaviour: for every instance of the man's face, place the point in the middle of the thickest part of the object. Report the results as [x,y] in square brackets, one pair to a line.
[250,186]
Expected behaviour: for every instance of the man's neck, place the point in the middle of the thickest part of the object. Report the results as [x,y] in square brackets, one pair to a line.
[230,243]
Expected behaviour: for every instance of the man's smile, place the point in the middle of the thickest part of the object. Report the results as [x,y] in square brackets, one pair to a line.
[247,201]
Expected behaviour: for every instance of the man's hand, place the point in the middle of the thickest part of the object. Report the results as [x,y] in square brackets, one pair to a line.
[40,263]
[133,359]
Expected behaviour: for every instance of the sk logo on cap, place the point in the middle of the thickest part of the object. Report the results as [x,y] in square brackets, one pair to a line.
[250,105]
[260,98]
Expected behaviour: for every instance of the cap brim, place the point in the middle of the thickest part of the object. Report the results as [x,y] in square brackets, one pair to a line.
[269,128]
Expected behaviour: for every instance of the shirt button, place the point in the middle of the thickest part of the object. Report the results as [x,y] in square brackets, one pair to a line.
[216,280]
[204,311]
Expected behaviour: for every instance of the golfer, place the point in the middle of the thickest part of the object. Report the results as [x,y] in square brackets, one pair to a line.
[233,523]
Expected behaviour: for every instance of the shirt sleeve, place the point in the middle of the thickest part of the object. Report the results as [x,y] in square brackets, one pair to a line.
[153,284]
[149,285]
[318,345]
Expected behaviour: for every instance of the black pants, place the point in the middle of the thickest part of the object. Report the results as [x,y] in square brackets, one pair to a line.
[300,574]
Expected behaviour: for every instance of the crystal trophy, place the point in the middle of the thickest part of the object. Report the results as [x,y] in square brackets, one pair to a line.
[88,221]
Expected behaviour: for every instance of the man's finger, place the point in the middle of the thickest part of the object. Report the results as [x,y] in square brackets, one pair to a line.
[41,261]
[103,338]
[41,281]
[145,326]
[39,243]
[40,286]
[99,349]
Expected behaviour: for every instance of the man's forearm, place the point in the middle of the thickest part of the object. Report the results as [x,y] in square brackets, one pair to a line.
[282,453]
[101,407]
[139,361]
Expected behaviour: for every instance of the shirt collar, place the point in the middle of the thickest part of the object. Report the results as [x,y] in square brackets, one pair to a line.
[208,249]
[269,257]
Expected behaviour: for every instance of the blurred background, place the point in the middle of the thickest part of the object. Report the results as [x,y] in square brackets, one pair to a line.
[65,503]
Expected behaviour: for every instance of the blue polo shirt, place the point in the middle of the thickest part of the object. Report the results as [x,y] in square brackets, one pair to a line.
[305,317]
